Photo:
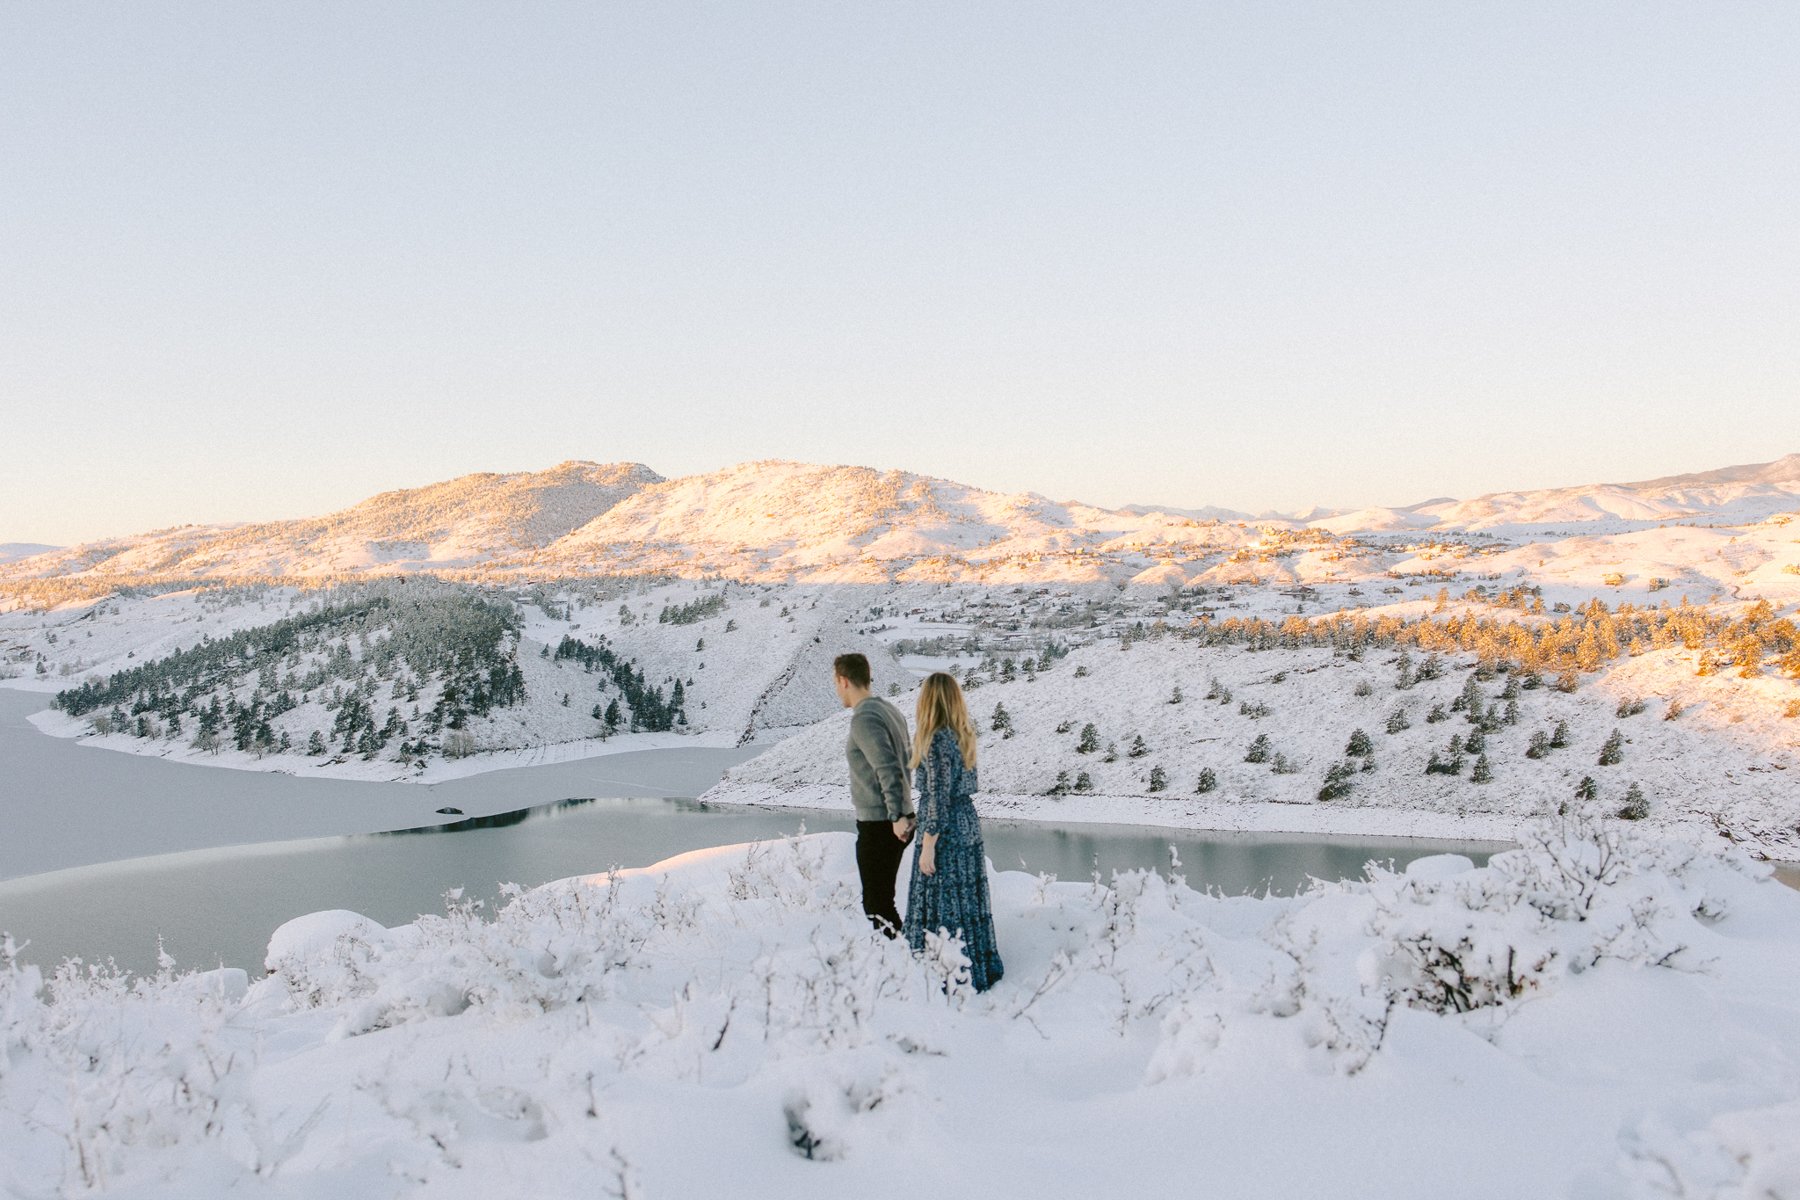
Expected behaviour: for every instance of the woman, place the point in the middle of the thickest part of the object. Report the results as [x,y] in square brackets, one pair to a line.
[949,890]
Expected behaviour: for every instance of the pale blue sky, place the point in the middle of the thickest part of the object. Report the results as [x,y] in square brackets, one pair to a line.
[264,259]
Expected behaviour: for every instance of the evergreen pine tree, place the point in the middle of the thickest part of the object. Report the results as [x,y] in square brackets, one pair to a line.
[1259,749]
[1613,752]
[1207,781]
[1482,772]
[1337,782]
[1089,740]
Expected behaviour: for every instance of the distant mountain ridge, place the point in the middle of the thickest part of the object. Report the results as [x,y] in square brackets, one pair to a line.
[1730,495]
[14,551]
[780,520]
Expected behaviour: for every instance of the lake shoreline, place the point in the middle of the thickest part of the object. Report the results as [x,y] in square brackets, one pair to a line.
[1187,814]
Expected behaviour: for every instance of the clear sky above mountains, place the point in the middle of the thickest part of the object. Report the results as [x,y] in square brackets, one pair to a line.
[266,260]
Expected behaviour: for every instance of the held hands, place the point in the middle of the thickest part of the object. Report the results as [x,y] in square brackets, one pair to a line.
[903,828]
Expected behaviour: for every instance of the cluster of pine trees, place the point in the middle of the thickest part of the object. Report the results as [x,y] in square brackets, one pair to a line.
[1577,642]
[406,633]
[692,612]
[651,709]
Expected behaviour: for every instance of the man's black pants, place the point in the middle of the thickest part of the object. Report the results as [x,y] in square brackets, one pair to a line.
[878,854]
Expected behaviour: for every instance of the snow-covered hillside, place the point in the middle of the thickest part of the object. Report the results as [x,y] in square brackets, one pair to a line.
[1729,496]
[367,695]
[1175,725]
[1596,1014]
[1705,698]
[460,523]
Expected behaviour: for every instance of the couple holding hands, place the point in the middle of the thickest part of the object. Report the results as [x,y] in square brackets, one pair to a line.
[948,892]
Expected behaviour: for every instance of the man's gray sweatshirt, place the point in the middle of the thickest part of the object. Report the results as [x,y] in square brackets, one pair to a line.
[878,748]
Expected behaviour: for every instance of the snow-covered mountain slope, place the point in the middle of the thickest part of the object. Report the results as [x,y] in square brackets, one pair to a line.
[785,520]
[463,522]
[770,521]
[1374,520]
[1729,496]
[780,521]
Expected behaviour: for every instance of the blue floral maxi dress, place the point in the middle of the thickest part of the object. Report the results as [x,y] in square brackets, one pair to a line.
[955,898]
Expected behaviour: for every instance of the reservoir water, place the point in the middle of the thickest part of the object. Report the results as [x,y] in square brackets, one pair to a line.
[220,905]
[233,853]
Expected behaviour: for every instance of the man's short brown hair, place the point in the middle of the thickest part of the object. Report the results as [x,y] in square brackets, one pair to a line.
[853,669]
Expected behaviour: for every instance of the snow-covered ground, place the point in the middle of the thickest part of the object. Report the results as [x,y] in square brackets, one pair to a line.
[1599,1014]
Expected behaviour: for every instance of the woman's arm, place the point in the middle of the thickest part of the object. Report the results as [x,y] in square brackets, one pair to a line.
[928,854]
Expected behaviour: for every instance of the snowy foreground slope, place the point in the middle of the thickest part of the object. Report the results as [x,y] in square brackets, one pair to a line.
[1598,1014]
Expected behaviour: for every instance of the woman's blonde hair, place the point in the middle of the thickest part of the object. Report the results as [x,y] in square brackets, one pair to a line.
[941,706]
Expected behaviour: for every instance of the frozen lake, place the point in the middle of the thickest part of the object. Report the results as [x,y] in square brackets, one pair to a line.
[210,906]
[63,804]
[102,853]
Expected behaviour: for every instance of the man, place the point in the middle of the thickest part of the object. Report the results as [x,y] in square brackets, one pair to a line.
[879,788]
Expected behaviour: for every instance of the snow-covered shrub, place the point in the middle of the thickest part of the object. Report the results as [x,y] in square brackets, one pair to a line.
[20,1009]
[1581,889]
[543,950]
[826,1115]
[1444,936]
